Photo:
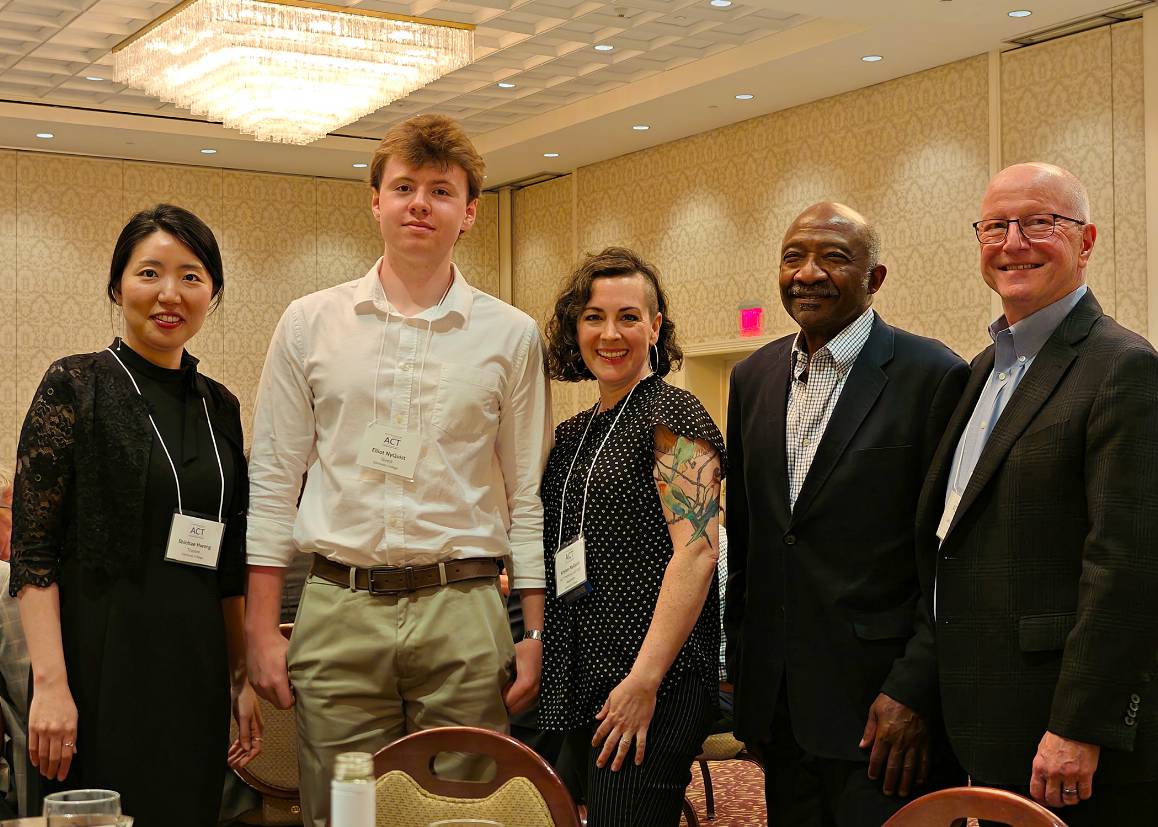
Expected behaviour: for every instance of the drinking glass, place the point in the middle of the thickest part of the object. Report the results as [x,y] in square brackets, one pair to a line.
[82,802]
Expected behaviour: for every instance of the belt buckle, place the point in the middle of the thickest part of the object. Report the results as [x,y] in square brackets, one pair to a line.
[370,587]
[408,573]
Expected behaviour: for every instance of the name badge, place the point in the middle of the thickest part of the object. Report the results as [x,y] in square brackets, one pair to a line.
[383,449]
[951,503]
[571,571]
[194,541]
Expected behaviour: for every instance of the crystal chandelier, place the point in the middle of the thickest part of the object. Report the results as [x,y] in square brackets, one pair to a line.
[287,70]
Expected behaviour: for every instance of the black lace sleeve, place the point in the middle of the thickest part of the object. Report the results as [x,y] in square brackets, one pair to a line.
[44,478]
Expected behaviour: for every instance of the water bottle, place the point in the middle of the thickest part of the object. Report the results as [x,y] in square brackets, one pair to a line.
[352,790]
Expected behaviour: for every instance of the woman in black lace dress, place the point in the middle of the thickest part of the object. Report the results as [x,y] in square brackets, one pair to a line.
[127,552]
[631,503]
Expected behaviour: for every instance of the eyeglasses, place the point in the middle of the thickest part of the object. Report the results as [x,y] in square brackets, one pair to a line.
[1036,227]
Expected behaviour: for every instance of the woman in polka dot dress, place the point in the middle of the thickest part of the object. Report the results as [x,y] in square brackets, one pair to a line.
[631,503]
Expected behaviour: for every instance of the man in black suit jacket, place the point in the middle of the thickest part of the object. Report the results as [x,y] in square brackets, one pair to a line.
[1045,492]
[830,433]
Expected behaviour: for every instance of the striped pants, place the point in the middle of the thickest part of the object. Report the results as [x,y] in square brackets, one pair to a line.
[650,795]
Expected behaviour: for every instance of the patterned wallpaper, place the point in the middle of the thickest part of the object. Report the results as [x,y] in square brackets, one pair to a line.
[544,254]
[477,252]
[710,211]
[1091,122]
[1129,219]
[281,236]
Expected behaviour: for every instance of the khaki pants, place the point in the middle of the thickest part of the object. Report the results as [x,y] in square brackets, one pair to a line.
[368,669]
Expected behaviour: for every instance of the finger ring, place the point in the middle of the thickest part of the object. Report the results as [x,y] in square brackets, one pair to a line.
[625,740]
[1069,790]
[257,738]
[70,743]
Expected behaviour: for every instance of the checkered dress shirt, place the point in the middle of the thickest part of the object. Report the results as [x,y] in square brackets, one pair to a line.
[817,381]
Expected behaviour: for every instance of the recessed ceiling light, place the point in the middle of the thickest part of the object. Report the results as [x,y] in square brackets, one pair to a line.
[94,78]
[721,4]
[745,96]
[360,165]
[603,47]
[872,58]
[550,154]
[506,84]
[208,151]
[1020,13]
[45,135]
[641,127]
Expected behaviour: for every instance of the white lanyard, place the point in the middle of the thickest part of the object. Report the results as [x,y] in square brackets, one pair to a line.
[587,485]
[168,456]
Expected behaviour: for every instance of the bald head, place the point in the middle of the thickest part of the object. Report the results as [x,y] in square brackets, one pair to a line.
[843,218]
[829,270]
[1050,180]
[1032,272]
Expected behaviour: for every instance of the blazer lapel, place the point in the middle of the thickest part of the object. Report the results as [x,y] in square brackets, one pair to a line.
[1047,370]
[865,382]
[932,501]
[770,413]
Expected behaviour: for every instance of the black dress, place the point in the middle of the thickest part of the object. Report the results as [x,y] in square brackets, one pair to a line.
[145,644]
[591,645]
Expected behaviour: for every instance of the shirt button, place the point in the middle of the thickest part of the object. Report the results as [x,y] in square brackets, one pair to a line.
[804,439]
[1002,376]
[399,419]
[982,426]
[1021,358]
[407,366]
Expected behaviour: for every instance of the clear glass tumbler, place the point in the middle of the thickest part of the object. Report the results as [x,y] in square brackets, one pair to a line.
[82,803]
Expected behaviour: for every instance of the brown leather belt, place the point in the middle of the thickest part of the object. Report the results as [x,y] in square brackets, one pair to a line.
[391,580]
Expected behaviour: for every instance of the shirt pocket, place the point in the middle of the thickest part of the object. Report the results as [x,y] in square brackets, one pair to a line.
[467,401]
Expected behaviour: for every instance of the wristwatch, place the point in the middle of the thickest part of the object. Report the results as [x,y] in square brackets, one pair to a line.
[533,634]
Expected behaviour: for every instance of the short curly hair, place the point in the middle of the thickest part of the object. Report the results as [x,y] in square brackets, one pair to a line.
[564,360]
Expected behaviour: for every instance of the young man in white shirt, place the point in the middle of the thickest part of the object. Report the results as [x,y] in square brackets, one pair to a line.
[419,407]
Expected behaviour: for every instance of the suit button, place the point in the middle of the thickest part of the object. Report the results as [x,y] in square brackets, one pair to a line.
[1134,699]
[1131,720]
[789,539]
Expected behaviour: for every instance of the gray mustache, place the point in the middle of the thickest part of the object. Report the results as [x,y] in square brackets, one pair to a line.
[800,293]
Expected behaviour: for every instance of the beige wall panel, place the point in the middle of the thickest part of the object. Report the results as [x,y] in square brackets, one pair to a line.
[477,252]
[348,238]
[542,249]
[710,211]
[70,213]
[10,416]
[1129,248]
[269,243]
[1057,106]
[197,189]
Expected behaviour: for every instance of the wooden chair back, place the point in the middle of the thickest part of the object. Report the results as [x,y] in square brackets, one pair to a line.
[414,755]
[952,808]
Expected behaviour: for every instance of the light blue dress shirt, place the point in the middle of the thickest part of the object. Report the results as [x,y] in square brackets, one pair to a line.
[1016,346]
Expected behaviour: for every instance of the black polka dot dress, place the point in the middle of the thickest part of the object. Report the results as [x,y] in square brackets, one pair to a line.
[591,644]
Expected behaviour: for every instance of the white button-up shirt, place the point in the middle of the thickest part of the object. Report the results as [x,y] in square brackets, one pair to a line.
[467,374]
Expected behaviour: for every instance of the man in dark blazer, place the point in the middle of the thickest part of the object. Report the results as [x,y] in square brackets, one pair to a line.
[830,433]
[1045,492]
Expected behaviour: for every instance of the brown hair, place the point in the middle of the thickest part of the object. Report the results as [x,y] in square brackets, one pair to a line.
[564,361]
[430,140]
